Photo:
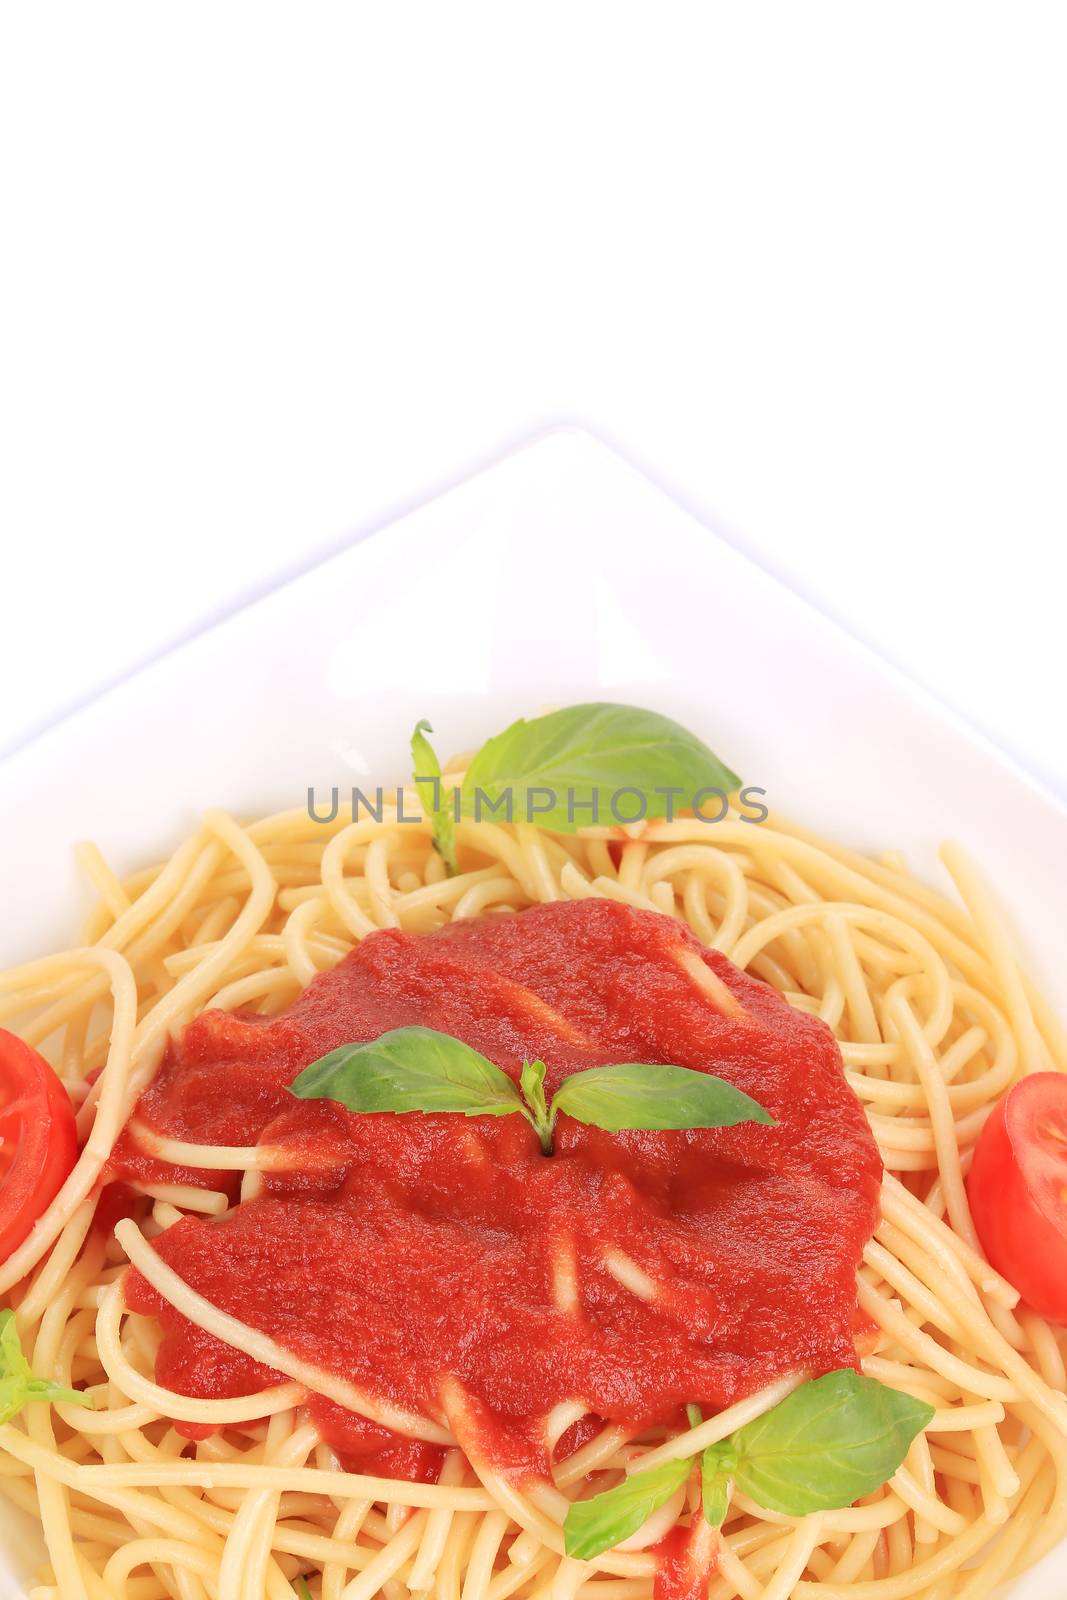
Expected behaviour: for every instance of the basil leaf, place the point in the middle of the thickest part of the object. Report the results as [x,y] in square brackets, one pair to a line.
[592,1526]
[300,1589]
[637,1095]
[427,775]
[18,1386]
[828,1443]
[410,1069]
[717,1465]
[553,769]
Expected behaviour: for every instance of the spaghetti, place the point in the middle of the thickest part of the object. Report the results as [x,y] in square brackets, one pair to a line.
[934,1022]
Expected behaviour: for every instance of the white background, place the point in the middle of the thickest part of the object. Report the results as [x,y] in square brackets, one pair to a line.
[273,273]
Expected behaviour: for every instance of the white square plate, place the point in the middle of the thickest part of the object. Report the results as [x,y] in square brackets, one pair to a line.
[560,574]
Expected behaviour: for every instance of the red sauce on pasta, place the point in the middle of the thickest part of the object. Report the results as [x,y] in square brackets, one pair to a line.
[631,1272]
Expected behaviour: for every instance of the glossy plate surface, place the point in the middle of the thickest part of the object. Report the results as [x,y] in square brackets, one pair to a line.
[558,575]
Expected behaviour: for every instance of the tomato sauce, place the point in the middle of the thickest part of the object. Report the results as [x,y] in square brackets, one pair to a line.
[633,1272]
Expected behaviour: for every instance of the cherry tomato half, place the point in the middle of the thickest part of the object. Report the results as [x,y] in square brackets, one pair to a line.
[38,1143]
[1018,1191]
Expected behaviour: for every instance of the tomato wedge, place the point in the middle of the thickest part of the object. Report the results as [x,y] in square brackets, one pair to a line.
[38,1142]
[1018,1191]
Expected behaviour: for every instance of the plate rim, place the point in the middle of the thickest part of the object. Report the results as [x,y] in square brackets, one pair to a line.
[109,693]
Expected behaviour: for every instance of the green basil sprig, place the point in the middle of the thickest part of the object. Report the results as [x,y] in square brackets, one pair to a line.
[428,783]
[18,1386]
[826,1445]
[563,770]
[420,1069]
